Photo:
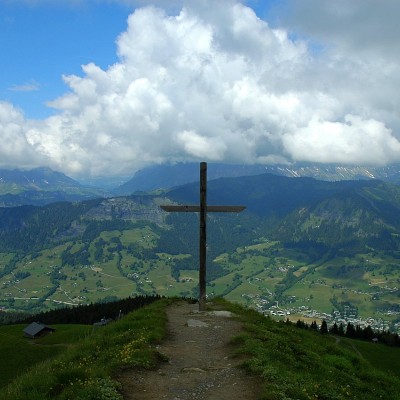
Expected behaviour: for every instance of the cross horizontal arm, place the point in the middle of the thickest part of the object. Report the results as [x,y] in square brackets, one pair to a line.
[184,208]
[236,209]
[181,208]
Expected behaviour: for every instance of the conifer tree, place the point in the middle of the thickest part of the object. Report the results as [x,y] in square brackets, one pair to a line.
[334,329]
[324,327]
[350,330]
[314,325]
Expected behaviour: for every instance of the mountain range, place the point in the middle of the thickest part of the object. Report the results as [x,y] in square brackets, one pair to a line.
[168,176]
[302,242]
[296,209]
[41,186]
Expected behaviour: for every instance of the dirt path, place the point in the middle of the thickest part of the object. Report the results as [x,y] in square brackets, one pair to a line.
[201,364]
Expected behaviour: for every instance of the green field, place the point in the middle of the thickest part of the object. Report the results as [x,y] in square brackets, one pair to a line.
[121,263]
[77,362]
[19,353]
[383,357]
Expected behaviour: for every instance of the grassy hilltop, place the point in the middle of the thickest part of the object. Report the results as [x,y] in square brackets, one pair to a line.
[81,363]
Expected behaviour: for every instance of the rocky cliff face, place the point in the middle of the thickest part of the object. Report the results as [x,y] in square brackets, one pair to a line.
[131,208]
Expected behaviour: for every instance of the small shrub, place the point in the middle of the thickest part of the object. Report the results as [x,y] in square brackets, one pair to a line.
[92,389]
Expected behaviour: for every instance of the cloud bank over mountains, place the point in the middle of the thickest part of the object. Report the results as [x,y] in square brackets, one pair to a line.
[214,82]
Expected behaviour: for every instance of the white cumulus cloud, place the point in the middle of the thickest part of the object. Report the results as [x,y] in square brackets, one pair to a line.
[367,142]
[214,82]
[14,148]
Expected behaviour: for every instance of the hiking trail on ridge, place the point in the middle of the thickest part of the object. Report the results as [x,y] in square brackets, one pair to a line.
[201,365]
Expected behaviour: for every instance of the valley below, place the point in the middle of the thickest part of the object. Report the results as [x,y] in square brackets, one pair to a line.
[295,258]
[266,276]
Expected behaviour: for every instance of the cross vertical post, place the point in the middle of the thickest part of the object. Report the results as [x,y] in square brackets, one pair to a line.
[203,208]
[203,236]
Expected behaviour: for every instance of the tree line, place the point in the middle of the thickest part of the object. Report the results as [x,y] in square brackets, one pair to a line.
[89,314]
[352,331]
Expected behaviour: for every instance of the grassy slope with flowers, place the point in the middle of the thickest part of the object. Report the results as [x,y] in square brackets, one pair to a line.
[304,364]
[294,363]
[18,353]
[85,370]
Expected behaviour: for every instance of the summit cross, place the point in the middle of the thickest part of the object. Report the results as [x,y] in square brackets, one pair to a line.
[203,209]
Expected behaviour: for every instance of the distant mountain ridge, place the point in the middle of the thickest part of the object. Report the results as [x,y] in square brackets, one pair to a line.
[41,186]
[306,209]
[37,178]
[168,176]
[293,209]
[338,241]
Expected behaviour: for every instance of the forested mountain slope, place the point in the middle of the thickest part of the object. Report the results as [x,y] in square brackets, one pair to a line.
[300,242]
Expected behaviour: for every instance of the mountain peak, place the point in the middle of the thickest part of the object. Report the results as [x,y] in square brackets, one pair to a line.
[168,176]
[40,186]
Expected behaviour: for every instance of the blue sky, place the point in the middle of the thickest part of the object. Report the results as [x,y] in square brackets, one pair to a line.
[95,88]
[40,43]
[42,40]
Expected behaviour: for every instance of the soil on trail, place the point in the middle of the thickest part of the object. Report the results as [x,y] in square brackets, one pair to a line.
[201,362]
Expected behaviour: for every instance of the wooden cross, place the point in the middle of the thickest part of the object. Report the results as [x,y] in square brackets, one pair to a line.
[203,209]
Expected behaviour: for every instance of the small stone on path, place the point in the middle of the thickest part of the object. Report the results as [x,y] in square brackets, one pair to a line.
[224,314]
[194,323]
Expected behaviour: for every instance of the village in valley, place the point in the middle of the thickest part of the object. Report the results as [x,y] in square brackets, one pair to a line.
[254,291]
[349,315]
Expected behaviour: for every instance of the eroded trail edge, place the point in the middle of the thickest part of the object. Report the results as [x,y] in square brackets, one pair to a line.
[201,361]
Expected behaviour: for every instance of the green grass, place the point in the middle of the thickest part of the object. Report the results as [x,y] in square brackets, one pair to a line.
[383,357]
[301,364]
[85,369]
[293,363]
[66,334]
[18,353]
[143,236]
[266,261]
